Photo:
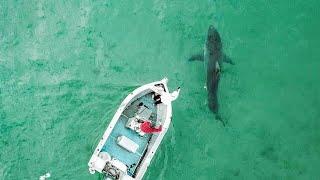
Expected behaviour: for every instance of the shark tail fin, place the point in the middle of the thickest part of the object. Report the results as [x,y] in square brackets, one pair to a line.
[219,118]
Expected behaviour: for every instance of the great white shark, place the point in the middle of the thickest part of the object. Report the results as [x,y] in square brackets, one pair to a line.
[213,58]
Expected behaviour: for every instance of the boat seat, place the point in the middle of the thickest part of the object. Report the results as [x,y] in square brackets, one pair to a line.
[161,112]
[143,113]
[119,165]
[127,144]
[99,164]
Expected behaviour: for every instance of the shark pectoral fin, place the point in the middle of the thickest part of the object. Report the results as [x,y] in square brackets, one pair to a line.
[227,59]
[197,57]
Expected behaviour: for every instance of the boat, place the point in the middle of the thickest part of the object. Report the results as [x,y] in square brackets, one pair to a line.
[134,133]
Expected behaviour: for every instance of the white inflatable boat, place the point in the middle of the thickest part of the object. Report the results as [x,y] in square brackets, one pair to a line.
[134,133]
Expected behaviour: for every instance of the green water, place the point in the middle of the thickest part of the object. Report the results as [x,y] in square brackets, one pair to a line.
[65,66]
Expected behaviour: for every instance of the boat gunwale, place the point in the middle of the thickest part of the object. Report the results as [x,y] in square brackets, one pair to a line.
[144,163]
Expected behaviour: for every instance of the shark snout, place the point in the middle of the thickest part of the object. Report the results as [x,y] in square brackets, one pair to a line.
[212,30]
[213,38]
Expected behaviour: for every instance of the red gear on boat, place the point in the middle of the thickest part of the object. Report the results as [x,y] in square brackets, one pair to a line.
[147,128]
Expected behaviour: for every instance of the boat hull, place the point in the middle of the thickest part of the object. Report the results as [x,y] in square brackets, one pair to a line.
[131,162]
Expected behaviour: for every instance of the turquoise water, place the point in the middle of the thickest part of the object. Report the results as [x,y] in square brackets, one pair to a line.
[65,66]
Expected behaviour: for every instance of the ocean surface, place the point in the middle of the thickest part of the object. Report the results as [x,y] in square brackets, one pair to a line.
[65,67]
